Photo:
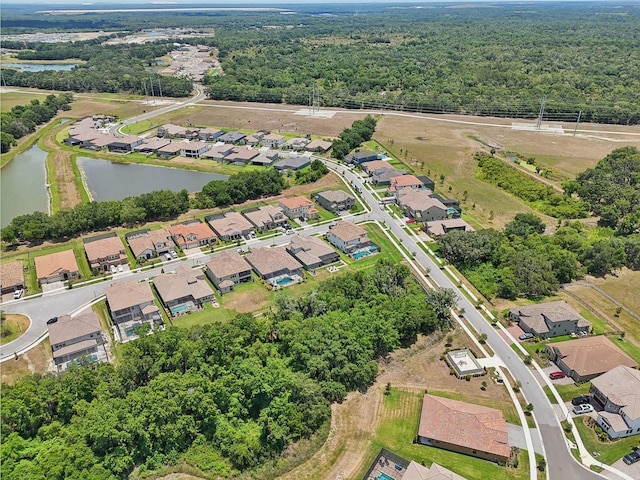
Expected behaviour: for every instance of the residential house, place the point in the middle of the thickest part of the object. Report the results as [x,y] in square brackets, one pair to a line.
[318,146]
[440,227]
[293,163]
[57,267]
[235,138]
[209,134]
[464,428]
[348,237]
[84,138]
[131,304]
[273,140]
[551,319]
[146,244]
[419,204]
[103,141]
[191,234]
[296,144]
[427,182]
[311,252]
[170,150]
[75,339]
[228,269]
[266,157]
[298,207]
[184,290]
[453,206]
[404,181]
[390,466]
[585,358]
[267,217]
[194,149]
[274,264]
[335,200]
[383,176]
[374,165]
[218,152]
[105,251]
[172,131]
[358,158]
[11,277]
[241,155]
[125,144]
[230,226]
[618,393]
[255,138]
[151,145]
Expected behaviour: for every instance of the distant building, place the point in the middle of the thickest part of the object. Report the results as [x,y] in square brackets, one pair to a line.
[375,165]
[209,134]
[75,339]
[147,244]
[273,263]
[184,290]
[132,304]
[230,226]
[383,176]
[404,181]
[170,130]
[267,217]
[419,204]
[241,155]
[292,163]
[228,269]
[194,149]
[335,200]
[296,144]
[191,234]
[441,227]
[360,157]
[273,140]
[125,144]
[57,267]
[236,138]
[427,182]
[298,207]
[170,150]
[318,146]
[311,252]
[551,319]
[105,251]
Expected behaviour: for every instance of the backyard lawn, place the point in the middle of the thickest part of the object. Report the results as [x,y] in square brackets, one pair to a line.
[609,452]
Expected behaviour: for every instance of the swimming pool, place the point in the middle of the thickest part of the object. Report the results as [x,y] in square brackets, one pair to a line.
[363,253]
[384,476]
[284,281]
[180,309]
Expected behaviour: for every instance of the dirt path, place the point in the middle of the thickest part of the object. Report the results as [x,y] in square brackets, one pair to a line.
[64,180]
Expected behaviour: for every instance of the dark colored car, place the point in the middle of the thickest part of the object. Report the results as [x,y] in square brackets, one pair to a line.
[556,375]
[526,336]
[582,399]
[631,458]
[52,320]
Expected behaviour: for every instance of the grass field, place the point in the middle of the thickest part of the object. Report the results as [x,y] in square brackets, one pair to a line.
[36,360]
[13,325]
[610,451]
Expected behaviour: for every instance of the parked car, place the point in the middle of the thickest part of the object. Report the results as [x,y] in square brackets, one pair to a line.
[582,399]
[556,375]
[52,320]
[290,232]
[411,220]
[18,293]
[580,409]
[120,268]
[631,458]
[526,336]
[114,269]
[173,254]
[168,256]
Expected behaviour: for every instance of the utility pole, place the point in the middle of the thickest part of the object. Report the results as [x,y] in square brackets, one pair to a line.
[152,92]
[577,123]
[542,105]
[144,84]
[160,88]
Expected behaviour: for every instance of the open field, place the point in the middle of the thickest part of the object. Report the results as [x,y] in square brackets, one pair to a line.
[609,451]
[36,360]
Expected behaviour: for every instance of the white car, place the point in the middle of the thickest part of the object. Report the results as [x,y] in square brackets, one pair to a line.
[584,408]
[18,293]
[120,269]
[173,254]
[114,269]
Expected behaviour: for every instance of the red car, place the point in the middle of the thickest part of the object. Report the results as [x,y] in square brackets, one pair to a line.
[411,220]
[556,375]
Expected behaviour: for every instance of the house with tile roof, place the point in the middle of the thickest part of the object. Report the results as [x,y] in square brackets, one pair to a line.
[318,146]
[228,269]
[209,134]
[585,358]
[548,320]
[132,304]
[335,200]
[183,290]
[241,155]
[11,276]
[404,181]
[266,217]
[192,234]
[172,149]
[57,267]
[441,227]
[146,244]
[618,393]
[76,338]
[151,145]
[298,207]
[218,152]
[390,466]
[230,226]
[465,428]
[104,251]
[311,251]
[375,165]
[420,205]
[273,263]
[273,140]
[235,138]
[125,144]
[348,237]
[194,149]
[383,176]
[360,157]
[170,130]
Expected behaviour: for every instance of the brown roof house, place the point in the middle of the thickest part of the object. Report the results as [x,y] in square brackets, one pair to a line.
[146,244]
[585,358]
[230,225]
[131,304]
[227,269]
[419,204]
[389,466]
[57,267]
[191,234]
[275,266]
[404,181]
[318,146]
[335,200]
[76,339]
[441,227]
[311,252]
[11,277]
[351,239]
[464,428]
[183,290]
[298,207]
[618,392]
[551,319]
[267,217]
[104,251]
[273,140]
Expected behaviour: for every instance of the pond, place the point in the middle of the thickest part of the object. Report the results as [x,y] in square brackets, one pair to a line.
[41,67]
[115,181]
[22,185]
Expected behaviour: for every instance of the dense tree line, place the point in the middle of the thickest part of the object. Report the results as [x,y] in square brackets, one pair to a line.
[225,398]
[315,172]
[351,138]
[523,262]
[540,196]
[23,119]
[106,68]
[243,186]
[612,190]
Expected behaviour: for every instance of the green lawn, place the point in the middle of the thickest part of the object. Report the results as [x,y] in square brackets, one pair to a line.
[567,392]
[209,314]
[550,396]
[398,429]
[598,325]
[387,250]
[610,451]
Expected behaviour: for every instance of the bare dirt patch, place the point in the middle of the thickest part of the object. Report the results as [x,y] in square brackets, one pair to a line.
[69,195]
[36,360]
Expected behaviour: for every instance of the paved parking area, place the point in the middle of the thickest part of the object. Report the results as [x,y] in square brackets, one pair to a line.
[632,470]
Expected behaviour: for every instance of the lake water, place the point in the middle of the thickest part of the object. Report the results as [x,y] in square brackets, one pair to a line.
[115,181]
[22,185]
[41,67]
